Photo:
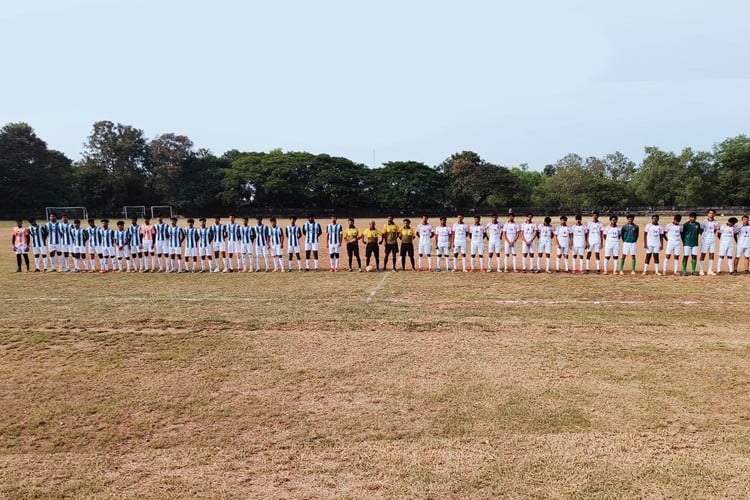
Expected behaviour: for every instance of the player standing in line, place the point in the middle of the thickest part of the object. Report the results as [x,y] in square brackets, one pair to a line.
[136,245]
[95,245]
[191,244]
[55,247]
[122,242]
[511,232]
[673,233]
[65,243]
[352,237]
[312,231]
[652,244]
[276,235]
[529,232]
[262,244]
[494,232]
[460,232]
[38,236]
[234,243]
[247,242]
[727,239]
[690,232]
[478,233]
[107,253]
[629,232]
[147,239]
[407,235]
[333,242]
[20,241]
[545,233]
[709,228]
[389,235]
[371,236]
[443,238]
[293,236]
[205,245]
[743,245]
[562,235]
[595,229]
[78,238]
[579,243]
[218,235]
[611,244]
[176,236]
[162,242]
[425,232]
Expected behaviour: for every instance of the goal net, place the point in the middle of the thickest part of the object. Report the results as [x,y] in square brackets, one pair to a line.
[73,213]
[131,211]
[161,211]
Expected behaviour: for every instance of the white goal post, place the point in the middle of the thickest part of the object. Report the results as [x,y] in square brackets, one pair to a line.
[161,210]
[130,211]
[73,213]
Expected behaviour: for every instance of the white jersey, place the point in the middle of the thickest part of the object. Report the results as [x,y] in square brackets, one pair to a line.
[529,230]
[595,230]
[546,232]
[579,235]
[726,233]
[477,233]
[743,240]
[425,231]
[654,233]
[511,230]
[709,229]
[459,233]
[674,232]
[612,234]
[495,231]
[563,235]
[443,236]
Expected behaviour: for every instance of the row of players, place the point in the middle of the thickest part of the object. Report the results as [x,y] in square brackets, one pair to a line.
[166,246]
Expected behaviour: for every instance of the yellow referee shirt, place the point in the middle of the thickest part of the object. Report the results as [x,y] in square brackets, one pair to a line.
[351,235]
[407,235]
[391,233]
[371,235]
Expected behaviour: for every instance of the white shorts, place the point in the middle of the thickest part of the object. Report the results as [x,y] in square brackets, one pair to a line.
[55,248]
[311,247]
[459,247]
[510,248]
[708,246]
[78,249]
[277,251]
[40,251]
[494,246]
[293,249]
[544,246]
[135,249]
[529,248]
[332,249]
[123,251]
[20,250]
[64,248]
[726,249]
[218,246]
[148,246]
[612,249]
[246,248]
[175,250]
[595,247]
[204,251]
[673,248]
[477,248]
[580,251]
[563,250]
[234,247]
[743,252]
[162,246]
[191,252]
[106,251]
[425,249]
[261,250]
[443,251]
[689,251]
[629,248]
[653,249]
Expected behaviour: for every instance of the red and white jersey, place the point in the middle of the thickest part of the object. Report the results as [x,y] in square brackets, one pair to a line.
[595,232]
[654,233]
[579,235]
[727,232]
[674,232]
[563,235]
[511,230]
[443,236]
[546,232]
[495,231]
[477,232]
[425,231]
[710,227]
[529,230]
[612,233]
[459,232]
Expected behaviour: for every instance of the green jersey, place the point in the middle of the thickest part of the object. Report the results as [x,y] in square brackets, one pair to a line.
[630,233]
[690,232]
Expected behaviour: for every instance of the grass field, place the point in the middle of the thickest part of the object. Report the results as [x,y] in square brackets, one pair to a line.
[383,385]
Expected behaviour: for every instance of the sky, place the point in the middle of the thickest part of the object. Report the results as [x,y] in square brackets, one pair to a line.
[516,82]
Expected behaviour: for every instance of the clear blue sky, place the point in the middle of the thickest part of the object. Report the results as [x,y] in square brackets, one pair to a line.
[412,80]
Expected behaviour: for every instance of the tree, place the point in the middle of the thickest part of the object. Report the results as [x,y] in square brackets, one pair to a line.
[169,155]
[472,181]
[733,172]
[400,185]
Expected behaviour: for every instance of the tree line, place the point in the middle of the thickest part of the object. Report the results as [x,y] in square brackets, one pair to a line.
[120,166]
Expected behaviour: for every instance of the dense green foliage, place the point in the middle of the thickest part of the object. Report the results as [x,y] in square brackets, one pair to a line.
[120,166]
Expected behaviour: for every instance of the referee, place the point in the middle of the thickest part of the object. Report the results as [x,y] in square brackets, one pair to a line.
[352,237]
[390,237]
[370,236]
[407,235]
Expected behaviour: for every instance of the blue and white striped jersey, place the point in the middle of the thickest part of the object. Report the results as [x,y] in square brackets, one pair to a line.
[53,231]
[334,234]
[261,235]
[218,232]
[95,236]
[312,231]
[233,232]
[191,237]
[205,236]
[247,234]
[293,234]
[161,231]
[78,236]
[276,234]
[107,237]
[38,235]
[175,234]
[65,229]
[122,238]
[135,234]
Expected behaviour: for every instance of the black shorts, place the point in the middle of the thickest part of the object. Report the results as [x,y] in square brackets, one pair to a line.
[372,248]
[391,247]
[407,249]
[352,249]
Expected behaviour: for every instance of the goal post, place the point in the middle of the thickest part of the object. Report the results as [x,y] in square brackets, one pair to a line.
[161,211]
[79,213]
[130,211]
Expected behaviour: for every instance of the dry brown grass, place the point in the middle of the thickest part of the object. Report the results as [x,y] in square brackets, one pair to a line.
[435,386]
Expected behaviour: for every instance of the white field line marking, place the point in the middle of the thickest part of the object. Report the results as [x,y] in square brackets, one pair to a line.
[376,288]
